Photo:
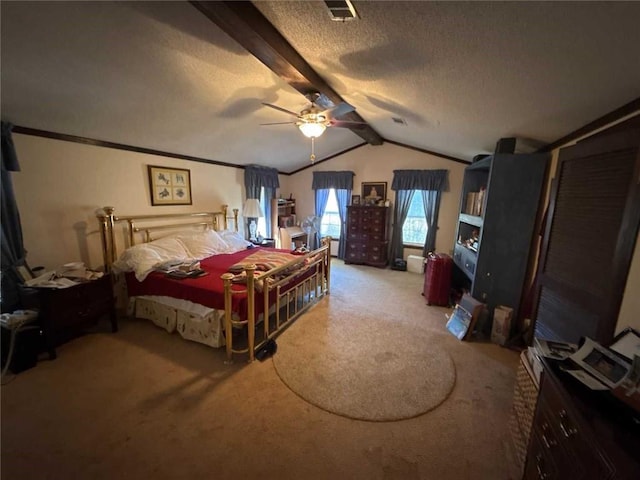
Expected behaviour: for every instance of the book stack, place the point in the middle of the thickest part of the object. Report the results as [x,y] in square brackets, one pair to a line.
[475,203]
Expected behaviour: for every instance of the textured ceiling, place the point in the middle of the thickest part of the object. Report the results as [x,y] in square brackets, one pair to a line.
[160,75]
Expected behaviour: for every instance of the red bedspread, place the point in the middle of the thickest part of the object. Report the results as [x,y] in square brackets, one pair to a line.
[207,290]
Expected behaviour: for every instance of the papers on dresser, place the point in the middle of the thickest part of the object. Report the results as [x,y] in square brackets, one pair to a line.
[66,275]
[627,343]
[601,363]
[554,350]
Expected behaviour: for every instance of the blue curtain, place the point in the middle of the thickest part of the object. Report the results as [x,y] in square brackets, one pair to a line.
[257,177]
[405,183]
[342,180]
[420,180]
[322,196]
[431,203]
[269,194]
[13,252]
[343,196]
[400,212]
[342,183]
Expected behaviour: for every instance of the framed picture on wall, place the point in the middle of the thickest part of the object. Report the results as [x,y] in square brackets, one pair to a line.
[373,192]
[355,199]
[169,186]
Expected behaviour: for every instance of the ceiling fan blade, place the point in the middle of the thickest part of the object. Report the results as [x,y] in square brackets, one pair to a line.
[280,108]
[279,123]
[341,109]
[343,124]
[320,99]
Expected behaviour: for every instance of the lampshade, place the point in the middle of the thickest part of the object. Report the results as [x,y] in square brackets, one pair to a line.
[312,129]
[252,208]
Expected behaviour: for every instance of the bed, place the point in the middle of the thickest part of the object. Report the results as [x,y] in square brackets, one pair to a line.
[246,296]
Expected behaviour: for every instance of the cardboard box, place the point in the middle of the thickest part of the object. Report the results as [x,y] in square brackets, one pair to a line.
[501,327]
[415,264]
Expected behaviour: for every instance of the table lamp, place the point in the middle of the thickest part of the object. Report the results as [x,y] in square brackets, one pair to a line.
[252,211]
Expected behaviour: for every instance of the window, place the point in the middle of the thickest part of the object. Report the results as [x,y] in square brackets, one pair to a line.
[262,221]
[414,229]
[330,224]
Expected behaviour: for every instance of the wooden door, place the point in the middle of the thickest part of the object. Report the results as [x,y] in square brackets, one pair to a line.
[589,239]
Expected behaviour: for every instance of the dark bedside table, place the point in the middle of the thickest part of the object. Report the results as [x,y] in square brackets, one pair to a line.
[67,310]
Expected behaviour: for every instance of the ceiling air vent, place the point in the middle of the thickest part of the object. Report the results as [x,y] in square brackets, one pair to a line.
[341,10]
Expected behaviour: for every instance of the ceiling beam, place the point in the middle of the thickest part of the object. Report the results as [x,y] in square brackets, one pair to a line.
[243,22]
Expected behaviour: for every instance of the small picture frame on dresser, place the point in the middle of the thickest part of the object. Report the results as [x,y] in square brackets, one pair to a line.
[355,199]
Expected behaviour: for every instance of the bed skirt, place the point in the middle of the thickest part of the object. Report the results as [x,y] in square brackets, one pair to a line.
[192,321]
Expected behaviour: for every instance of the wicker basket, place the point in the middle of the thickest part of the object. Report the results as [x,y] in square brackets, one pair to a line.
[524,405]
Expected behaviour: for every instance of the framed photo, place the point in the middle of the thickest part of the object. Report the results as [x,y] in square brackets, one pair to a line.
[355,199]
[374,192]
[169,186]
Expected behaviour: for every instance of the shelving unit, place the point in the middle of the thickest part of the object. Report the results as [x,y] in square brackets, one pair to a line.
[284,226]
[493,249]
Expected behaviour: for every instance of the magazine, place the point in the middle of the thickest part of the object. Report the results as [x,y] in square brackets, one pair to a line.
[179,274]
[554,350]
[602,363]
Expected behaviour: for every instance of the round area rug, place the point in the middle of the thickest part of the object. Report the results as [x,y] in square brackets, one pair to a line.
[364,367]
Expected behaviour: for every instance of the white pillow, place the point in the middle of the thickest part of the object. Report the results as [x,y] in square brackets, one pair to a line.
[204,244]
[142,259]
[234,240]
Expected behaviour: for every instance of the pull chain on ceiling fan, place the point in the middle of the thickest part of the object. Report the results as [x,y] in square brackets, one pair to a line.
[312,121]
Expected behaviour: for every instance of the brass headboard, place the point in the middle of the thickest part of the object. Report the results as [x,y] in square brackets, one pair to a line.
[145,225]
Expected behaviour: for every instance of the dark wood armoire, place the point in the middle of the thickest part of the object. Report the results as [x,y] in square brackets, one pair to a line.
[590,235]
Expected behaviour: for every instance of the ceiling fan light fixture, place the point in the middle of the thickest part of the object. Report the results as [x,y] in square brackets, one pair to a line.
[312,129]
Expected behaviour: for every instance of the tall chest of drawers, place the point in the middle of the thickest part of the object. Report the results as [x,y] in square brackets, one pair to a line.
[367,235]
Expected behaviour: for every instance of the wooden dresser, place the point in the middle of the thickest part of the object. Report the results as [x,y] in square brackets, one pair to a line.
[367,235]
[581,434]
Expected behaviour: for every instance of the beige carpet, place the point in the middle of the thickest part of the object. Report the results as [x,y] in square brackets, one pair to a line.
[143,404]
[361,366]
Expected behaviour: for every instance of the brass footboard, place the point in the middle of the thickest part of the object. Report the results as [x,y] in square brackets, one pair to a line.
[285,298]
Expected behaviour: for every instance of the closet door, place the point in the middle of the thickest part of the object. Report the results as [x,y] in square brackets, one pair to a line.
[591,230]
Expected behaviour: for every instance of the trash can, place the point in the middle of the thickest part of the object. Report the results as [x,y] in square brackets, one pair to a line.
[21,329]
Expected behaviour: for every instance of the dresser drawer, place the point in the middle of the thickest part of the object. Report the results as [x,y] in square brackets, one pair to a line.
[566,441]
[541,465]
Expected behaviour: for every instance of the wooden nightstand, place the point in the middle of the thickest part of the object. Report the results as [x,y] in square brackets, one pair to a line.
[66,311]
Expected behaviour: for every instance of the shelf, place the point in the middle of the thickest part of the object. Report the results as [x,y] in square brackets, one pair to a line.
[471,220]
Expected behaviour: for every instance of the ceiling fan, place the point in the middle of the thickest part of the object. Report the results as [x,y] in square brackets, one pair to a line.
[313,120]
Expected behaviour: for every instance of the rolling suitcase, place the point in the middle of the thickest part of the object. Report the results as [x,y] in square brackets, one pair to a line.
[437,279]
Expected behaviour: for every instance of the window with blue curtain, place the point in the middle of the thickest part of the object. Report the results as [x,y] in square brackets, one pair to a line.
[330,225]
[416,190]
[340,185]
[414,228]
[261,183]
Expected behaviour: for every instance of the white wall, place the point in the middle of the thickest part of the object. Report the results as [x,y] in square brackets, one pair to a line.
[62,184]
[630,308]
[376,164]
